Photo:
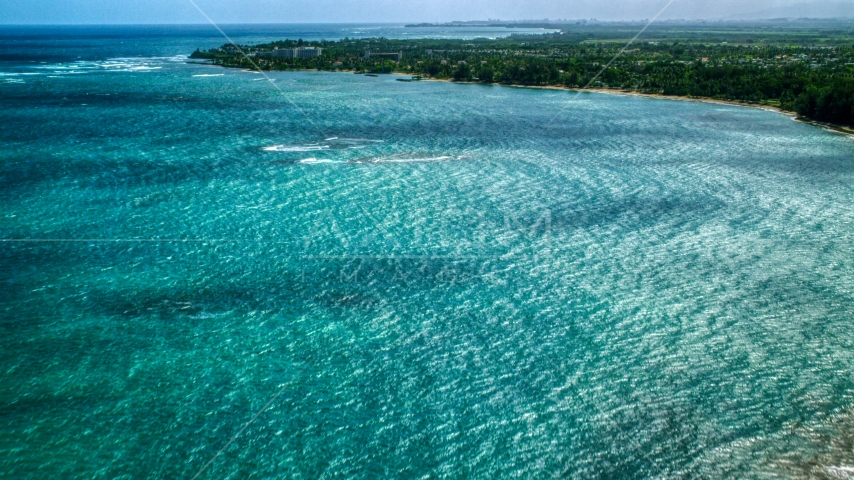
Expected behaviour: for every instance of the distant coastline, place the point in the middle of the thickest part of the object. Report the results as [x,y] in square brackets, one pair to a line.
[528,25]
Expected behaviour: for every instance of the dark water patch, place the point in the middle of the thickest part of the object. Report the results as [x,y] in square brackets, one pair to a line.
[288,289]
[34,269]
[22,175]
[113,99]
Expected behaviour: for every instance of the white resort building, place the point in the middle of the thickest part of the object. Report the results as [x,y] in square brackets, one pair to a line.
[300,52]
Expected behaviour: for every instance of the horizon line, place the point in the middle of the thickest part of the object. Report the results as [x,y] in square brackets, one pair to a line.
[439,24]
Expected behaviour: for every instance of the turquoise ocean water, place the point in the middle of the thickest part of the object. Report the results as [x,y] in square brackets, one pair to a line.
[428,280]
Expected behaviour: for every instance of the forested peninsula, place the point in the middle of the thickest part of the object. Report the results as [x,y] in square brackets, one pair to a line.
[812,75]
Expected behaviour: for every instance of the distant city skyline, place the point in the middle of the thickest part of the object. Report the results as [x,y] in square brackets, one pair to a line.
[389,11]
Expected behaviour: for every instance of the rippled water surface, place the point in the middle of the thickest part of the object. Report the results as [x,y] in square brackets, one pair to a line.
[427,279]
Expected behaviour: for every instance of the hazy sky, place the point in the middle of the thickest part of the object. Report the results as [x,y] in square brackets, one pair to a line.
[363,11]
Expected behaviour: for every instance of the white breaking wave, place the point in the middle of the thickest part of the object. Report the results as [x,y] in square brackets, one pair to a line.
[174,58]
[847,470]
[408,158]
[354,140]
[139,68]
[295,148]
[209,75]
[109,65]
[416,159]
[334,143]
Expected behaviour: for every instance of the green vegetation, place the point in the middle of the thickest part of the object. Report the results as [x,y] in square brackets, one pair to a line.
[802,67]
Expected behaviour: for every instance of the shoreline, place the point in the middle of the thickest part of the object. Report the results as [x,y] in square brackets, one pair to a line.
[841,129]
